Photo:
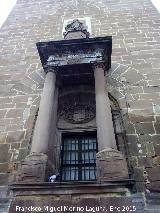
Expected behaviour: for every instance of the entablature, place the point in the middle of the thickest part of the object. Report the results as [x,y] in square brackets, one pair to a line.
[61,55]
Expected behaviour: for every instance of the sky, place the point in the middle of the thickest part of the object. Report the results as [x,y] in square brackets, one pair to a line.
[156,4]
[5,8]
[7,5]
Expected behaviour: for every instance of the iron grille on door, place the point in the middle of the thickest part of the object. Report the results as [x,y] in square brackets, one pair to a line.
[78,158]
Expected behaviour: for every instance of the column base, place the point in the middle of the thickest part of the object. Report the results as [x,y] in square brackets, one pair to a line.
[111,165]
[33,168]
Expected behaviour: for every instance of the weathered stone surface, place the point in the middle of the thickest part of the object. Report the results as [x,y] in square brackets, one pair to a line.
[14,113]
[156,161]
[133,161]
[157,124]
[22,153]
[145,161]
[15,145]
[21,105]
[37,78]
[129,128]
[3,179]
[28,134]
[150,89]
[132,76]
[15,136]
[4,157]
[12,167]
[154,186]
[157,109]
[132,145]
[3,137]
[3,167]
[14,127]
[150,149]
[155,138]
[152,199]
[30,122]
[144,128]
[153,173]
[146,138]
[21,88]
[33,168]
[2,113]
[140,104]
[111,165]
[156,145]
[5,100]
[145,115]
[134,90]
[139,174]
[150,96]
[25,144]
[20,98]
[140,186]
[109,204]
[135,47]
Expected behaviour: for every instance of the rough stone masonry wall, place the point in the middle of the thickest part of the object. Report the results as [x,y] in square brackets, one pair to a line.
[133,80]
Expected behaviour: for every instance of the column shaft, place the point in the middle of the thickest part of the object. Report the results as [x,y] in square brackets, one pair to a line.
[105,130]
[42,128]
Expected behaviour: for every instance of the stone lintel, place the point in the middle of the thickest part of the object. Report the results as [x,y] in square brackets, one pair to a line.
[75,51]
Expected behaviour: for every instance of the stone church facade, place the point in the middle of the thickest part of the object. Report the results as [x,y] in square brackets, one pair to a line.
[80,107]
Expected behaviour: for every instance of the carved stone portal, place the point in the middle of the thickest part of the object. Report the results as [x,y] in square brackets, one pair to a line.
[111,165]
[33,168]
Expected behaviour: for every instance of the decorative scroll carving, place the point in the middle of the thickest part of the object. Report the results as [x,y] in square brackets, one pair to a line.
[77,108]
[33,168]
[76,26]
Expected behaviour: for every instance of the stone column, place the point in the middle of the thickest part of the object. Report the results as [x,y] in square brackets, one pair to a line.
[111,164]
[35,166]
[42,128]
[105,130]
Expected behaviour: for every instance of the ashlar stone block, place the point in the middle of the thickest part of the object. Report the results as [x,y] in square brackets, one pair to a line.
[111,165]
[4,156]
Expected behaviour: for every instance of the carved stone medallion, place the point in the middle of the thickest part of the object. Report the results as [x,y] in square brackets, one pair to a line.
[78,108]
[79,114]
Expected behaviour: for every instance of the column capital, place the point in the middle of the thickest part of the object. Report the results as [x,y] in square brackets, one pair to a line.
[51,69]
[98,65]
